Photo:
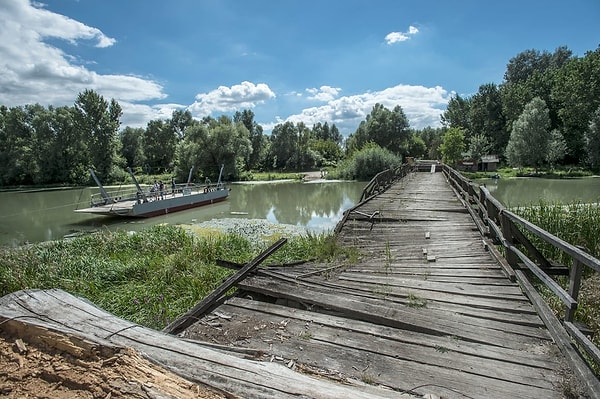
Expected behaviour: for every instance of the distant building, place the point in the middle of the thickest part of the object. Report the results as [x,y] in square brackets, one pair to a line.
[489,163]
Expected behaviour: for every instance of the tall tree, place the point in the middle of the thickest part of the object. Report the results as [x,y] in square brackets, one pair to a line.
[577,93]
[99,121]
[159,146]
[453,145]
[284,146]
[458,113]
[179,121]
[593,140]
[530,136]
[479,145]
[213,143]
[487,117]
[388,129]
[256,156]
[132,148]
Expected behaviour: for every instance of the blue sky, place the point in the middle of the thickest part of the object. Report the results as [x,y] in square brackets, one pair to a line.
[286,60]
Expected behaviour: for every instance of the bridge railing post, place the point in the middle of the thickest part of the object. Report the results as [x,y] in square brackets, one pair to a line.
[574,285]
[507,231]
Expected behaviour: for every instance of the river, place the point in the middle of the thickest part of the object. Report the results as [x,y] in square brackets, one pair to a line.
[530,190]
[44,215]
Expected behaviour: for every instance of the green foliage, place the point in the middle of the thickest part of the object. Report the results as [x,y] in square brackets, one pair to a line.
[388,129]
[479,145]
[150,277]
[487,118]
[593,141]
[530,136]
[364,164]
[576,223]
[453,145]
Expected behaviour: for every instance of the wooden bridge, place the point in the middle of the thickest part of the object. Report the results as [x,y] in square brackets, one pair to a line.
[428,307]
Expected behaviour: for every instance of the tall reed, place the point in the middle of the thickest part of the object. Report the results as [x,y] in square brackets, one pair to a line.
[150,277]
[578,224]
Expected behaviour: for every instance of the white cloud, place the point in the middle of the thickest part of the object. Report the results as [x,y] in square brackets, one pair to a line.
[33,71]
[422,106]
[324,93]
[395,37]
[227,99]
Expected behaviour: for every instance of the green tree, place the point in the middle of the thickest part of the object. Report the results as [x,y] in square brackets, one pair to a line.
[159,144]
[257,156]
[213,143]
[557,148]
[388,129]
[16,147]
[179,121]
[577,94]
[284,146]
[453,145]
[98,121]
[479,145]
[458,113]
[530,136]
[487,117]
[593,140]
[132,149]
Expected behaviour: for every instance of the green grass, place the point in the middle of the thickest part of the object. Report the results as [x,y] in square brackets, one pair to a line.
[150,277]
[578,224]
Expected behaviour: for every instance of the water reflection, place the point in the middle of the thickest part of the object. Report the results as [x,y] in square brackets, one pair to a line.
[527,191]
[35,216]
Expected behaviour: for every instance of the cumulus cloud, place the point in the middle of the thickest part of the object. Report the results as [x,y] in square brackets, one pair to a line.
[34,71]
[227,99]
[422,106]
[324,93]
[395,37]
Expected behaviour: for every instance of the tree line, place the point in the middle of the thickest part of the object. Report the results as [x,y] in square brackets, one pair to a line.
[545,112]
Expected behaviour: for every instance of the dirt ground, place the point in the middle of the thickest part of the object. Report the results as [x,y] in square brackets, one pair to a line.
[30,371]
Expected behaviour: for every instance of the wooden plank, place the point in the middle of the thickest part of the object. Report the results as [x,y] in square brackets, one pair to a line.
[532,356]
[205,304]
[422,319]
[391,362]
[228,373]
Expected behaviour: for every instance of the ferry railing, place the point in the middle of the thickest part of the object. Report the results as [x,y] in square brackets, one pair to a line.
[509,231]
[131,193]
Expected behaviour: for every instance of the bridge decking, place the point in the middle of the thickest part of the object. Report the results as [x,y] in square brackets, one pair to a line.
[425,310]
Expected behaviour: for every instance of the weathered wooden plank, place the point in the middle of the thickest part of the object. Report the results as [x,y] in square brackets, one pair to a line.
[239,377]
[427,321]
[534,356]
[493,309]
[389,361]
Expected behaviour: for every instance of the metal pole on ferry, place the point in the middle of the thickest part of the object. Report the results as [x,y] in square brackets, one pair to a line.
[190,176]
[101,187]
[137,184]
[220,174]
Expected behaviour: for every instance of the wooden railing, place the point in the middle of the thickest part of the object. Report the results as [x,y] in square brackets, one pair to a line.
[509,231]
[383,180]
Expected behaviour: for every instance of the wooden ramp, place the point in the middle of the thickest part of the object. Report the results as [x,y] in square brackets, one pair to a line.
[426,310]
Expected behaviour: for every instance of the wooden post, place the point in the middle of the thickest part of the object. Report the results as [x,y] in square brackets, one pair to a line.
[574,285]
[506,225]
[205,304]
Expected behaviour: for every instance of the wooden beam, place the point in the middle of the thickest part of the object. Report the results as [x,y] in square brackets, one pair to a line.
[580,368]
[205,304]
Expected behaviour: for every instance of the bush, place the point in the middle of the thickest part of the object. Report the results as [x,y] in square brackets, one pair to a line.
[366,163]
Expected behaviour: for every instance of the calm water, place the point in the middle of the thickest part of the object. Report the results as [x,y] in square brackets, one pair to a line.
[36,216]
[527,191]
